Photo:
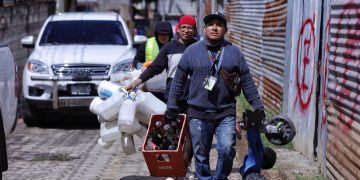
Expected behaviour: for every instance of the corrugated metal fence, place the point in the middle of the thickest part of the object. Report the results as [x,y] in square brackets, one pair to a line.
[258,28]
[305,58]
[343,114]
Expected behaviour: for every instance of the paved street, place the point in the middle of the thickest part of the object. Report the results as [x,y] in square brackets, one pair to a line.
[69,150]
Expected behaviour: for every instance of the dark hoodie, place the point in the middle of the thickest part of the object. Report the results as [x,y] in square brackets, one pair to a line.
[159,27]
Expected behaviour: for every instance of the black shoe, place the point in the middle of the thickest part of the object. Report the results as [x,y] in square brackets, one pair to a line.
[269,158]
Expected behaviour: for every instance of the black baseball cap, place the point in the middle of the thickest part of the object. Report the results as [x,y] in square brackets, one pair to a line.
[215,15]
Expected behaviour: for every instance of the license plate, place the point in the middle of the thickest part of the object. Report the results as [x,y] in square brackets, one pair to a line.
[80,89]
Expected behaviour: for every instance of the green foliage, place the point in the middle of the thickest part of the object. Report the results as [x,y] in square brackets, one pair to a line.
[242,104]
[266,143]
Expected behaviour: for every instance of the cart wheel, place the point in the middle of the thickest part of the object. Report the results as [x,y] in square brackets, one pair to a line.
[269,158]
[287,130]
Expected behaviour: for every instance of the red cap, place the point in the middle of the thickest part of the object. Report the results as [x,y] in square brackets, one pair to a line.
[189,20]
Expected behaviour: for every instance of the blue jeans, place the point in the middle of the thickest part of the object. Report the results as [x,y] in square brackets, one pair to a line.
[202,132]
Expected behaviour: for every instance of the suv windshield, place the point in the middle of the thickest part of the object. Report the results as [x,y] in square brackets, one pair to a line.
[84,32]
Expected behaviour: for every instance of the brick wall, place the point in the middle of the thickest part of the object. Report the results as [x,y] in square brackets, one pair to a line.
[23,19]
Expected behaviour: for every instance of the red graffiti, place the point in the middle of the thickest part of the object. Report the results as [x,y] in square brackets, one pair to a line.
[345,123]
[346,58]
[305,64]
[324,78]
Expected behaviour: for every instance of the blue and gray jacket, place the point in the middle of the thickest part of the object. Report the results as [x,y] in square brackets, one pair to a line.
[168,58]
[215,104]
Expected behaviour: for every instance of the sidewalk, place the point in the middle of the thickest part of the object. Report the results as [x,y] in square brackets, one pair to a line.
[135,168]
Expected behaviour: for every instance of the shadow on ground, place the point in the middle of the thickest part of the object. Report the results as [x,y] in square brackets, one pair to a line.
[57,120]
[234,170]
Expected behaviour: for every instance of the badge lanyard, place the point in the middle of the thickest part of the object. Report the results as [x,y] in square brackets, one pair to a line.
[213,60]
[211,79]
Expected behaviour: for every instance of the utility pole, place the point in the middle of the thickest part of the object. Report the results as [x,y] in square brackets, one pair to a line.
[164,10]
[214,7]
[200,16]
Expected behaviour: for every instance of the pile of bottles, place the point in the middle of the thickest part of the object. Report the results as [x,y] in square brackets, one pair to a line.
[164,135]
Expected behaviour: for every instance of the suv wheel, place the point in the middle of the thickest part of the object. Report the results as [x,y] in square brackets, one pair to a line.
[30,114]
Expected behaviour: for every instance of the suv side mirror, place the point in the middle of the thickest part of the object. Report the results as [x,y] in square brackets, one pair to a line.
[138,39]
[28,42]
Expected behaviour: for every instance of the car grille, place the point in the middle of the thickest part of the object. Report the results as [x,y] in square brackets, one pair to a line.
[81,69]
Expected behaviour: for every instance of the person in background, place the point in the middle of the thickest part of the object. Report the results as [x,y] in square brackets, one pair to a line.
[169,56]
[177,31]
[211,109]
[148,51]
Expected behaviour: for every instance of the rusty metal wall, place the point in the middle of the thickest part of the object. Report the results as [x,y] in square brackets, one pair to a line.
[301,71]
[343,113]
[258,29]
[313,76]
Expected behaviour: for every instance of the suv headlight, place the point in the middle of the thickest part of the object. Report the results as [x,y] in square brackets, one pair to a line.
[37,67]
[124,65]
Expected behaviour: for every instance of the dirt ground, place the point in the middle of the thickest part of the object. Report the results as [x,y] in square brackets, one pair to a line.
[289,164]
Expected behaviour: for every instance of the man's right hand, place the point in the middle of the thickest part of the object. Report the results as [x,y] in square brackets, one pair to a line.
[170,116]
[133,84]
[253,119]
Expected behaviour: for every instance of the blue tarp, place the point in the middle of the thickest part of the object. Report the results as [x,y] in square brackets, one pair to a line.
[253,160]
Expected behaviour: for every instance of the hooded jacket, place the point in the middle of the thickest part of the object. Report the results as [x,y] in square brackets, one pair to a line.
[159,27]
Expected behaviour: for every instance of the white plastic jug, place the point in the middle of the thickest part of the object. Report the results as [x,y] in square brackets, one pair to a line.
[141,133]
[127,143]
[126,117]
[106,89]
[94,103]
[109,131]
[101,119]
[109,108]
[103,144]
[131,129]
[146,105]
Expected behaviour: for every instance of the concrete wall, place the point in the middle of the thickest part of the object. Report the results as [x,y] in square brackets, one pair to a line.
[22,19]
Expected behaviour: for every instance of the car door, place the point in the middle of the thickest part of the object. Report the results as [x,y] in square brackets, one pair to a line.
[8,88]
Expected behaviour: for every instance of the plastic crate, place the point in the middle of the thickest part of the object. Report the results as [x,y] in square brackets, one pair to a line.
[176,161]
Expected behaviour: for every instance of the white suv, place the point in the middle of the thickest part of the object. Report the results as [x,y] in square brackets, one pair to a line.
[72,54]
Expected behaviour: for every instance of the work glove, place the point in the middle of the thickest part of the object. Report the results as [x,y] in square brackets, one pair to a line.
[171,117]
[260,114]
[253,119]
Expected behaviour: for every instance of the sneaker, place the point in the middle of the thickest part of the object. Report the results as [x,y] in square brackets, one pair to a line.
[170,178]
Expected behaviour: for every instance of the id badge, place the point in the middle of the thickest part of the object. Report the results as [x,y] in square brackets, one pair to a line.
[209,82]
